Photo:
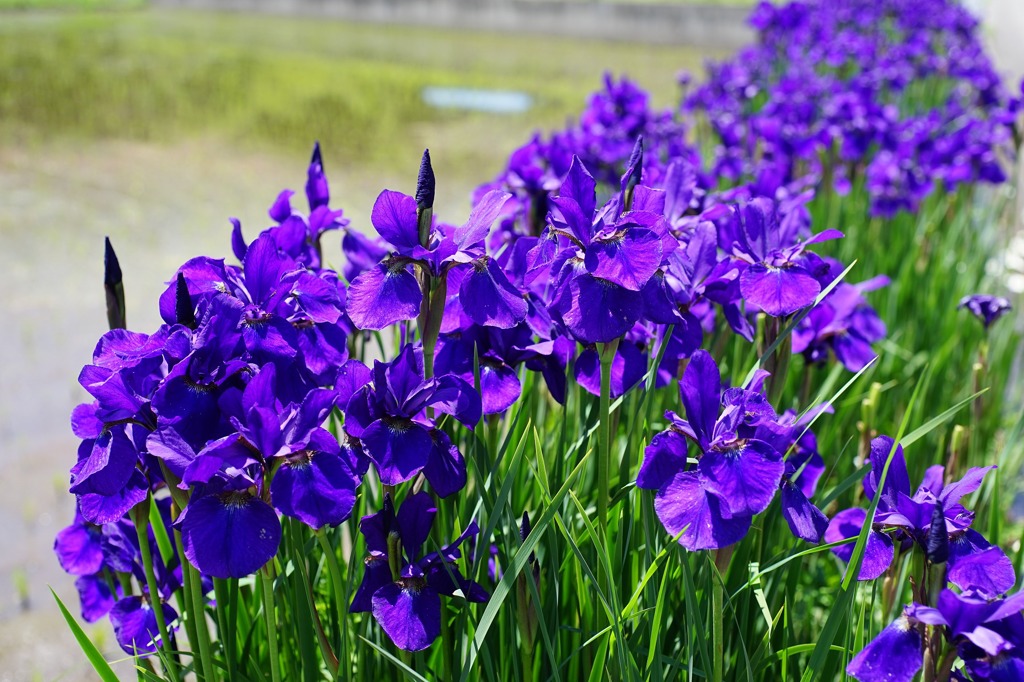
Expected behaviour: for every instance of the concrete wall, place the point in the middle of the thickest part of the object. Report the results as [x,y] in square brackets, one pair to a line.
[702,25]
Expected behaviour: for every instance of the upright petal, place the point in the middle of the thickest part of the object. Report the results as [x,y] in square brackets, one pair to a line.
[700,391]
[394,218]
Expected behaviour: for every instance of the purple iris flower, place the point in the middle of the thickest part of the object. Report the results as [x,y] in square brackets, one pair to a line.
[278,308]
[402,585]
[736,475]
[389,419]
[228,528]
[988,634]
[95,553]
[296,234]
[986,307]
[973,562]
[390,292]
[604,258]
[844,322]
[780,276]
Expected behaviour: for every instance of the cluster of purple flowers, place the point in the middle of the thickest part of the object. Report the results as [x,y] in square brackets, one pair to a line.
[976,624]
[827,91]
[252,401]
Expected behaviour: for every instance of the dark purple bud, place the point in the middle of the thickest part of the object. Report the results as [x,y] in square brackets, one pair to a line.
[425,183]
[634,170]
[316,157]
[425,199]
[937,542]
[524,527]
[114,287]
[184,312]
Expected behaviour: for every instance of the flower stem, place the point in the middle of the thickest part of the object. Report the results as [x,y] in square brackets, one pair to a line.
[337,584]
[604,438]
[717,593]
[208,669]
[721,557]
[141,519]
[267,578]
[447,645]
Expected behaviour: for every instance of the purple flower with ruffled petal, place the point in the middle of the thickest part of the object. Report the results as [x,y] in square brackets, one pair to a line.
[973,563]
[780,276]
[736,476]
[391,292]
[402,585]
[389,419]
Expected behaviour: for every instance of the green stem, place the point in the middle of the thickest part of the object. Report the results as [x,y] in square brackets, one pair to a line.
[209,670]
[225,628]
[141,526]
[186,606]
[604,438]
[334,570]
[717,608]
[721,557]
[447,644]
[269,615]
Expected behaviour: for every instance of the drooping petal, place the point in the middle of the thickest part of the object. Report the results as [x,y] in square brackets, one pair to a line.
[79,549]
[229,535]
[445,469]
[383,295]
[110,464]
[100,509]
[95,597]
[411,616]
[135,625]
[744,479]
[988,570]
[601,311]
[893,656]
[455,396]
[629,258]
[683,503]
[806,521]
[779,291]
[399,448]
[317,488]
[489,299]
[376,575]
[499,385]
[663,459]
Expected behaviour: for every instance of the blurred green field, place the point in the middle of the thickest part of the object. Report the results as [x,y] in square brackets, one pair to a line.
[274,83]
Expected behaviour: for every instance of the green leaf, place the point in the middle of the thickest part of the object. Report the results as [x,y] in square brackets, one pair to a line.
[99,664]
